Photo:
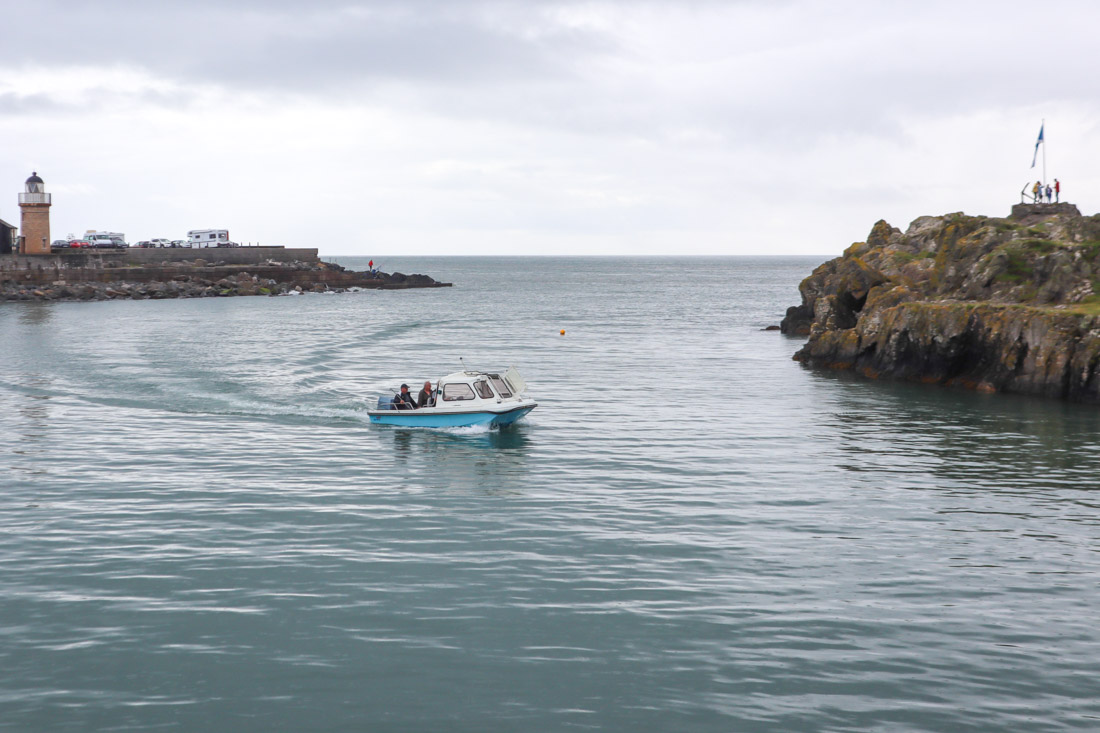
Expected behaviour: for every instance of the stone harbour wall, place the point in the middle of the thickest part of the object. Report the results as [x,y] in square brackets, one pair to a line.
[159,255]
[54,280]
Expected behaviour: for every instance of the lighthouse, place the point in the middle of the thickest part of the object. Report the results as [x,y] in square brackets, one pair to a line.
[34,229]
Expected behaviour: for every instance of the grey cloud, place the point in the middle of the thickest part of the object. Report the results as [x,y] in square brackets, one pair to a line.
[787,86]
[320,46]
[16,105]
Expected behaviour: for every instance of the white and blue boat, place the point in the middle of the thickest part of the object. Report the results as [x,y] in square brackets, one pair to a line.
[463,399]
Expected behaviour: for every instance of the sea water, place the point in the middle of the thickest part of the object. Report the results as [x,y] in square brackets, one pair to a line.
[200,530]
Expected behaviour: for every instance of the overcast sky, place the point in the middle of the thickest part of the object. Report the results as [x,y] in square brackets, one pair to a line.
[450,127]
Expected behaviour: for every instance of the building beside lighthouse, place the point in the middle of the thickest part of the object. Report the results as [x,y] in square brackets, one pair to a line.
[34,229]
[7,237]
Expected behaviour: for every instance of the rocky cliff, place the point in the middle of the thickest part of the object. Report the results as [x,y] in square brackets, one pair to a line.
[985,303]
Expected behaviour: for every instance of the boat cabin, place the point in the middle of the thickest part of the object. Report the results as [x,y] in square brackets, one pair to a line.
[470,390]
[463,386]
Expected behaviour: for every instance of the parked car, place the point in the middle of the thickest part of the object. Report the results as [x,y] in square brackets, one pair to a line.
[160,242]
[79,243]
[180,243]
[60,244]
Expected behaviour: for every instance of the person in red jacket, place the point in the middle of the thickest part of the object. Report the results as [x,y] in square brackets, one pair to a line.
[1057,190]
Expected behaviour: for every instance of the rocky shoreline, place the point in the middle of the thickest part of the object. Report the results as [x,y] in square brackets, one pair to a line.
[195,279]
[992,304]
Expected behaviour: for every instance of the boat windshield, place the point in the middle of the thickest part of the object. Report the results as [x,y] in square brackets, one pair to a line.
[501,387]
[482,387]
[457,391]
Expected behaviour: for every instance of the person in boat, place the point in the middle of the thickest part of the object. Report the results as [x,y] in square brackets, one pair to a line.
[404,400]
[424,399]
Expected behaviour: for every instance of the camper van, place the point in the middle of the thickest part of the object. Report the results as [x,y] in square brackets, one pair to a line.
[209,238]
[105,239]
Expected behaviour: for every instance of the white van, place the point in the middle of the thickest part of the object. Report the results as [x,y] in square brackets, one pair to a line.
[105,239]
[101,241]
[209,238]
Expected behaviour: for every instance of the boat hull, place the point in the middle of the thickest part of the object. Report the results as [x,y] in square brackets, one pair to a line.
[431,419]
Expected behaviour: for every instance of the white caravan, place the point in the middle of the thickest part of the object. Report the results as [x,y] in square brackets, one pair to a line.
[209,238]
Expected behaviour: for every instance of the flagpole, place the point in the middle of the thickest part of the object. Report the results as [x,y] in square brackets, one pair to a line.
[1044,127]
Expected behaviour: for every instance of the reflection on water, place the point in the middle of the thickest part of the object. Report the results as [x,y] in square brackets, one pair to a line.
[33,313]
[965,439]
[29,436]
[474,457]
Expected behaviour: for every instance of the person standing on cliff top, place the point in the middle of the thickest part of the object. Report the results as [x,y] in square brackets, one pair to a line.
[1050,193]
[1057,190]
[1037,193]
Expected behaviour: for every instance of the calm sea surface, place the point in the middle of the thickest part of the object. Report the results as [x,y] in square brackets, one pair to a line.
[200,530]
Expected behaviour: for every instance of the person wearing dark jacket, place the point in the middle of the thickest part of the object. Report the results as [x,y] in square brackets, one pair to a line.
[404,400]
[424,399]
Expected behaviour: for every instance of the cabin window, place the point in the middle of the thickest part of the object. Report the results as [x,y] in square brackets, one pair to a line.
[452,392]
[483,390]
[501,387]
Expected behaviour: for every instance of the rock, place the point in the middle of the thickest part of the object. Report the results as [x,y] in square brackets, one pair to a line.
[983,303]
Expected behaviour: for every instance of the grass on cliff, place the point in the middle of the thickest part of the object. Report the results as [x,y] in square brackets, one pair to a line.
[1017,266]
[1019,258]
[904,258]
[1088,307]
[1091,250]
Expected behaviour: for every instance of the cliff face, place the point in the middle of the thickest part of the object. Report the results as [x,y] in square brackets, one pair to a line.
[992,304]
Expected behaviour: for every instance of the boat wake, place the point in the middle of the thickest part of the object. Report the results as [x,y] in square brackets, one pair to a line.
[470,429]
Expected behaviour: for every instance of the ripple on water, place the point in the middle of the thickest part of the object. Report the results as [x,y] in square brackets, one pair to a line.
[201,529]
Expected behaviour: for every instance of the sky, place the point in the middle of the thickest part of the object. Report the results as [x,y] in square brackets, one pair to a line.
[446,127]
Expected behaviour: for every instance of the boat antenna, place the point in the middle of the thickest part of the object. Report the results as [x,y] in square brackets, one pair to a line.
[463,362]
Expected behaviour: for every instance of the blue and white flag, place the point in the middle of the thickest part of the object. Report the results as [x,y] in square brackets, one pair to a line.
[1037,144]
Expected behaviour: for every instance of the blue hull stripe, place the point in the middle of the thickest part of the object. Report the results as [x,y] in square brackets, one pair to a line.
[410,418]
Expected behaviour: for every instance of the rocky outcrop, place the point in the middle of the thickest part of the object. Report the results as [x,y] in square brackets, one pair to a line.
[985,303]
[194,279]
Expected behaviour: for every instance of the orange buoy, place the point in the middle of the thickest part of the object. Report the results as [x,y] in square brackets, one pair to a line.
[562,332]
